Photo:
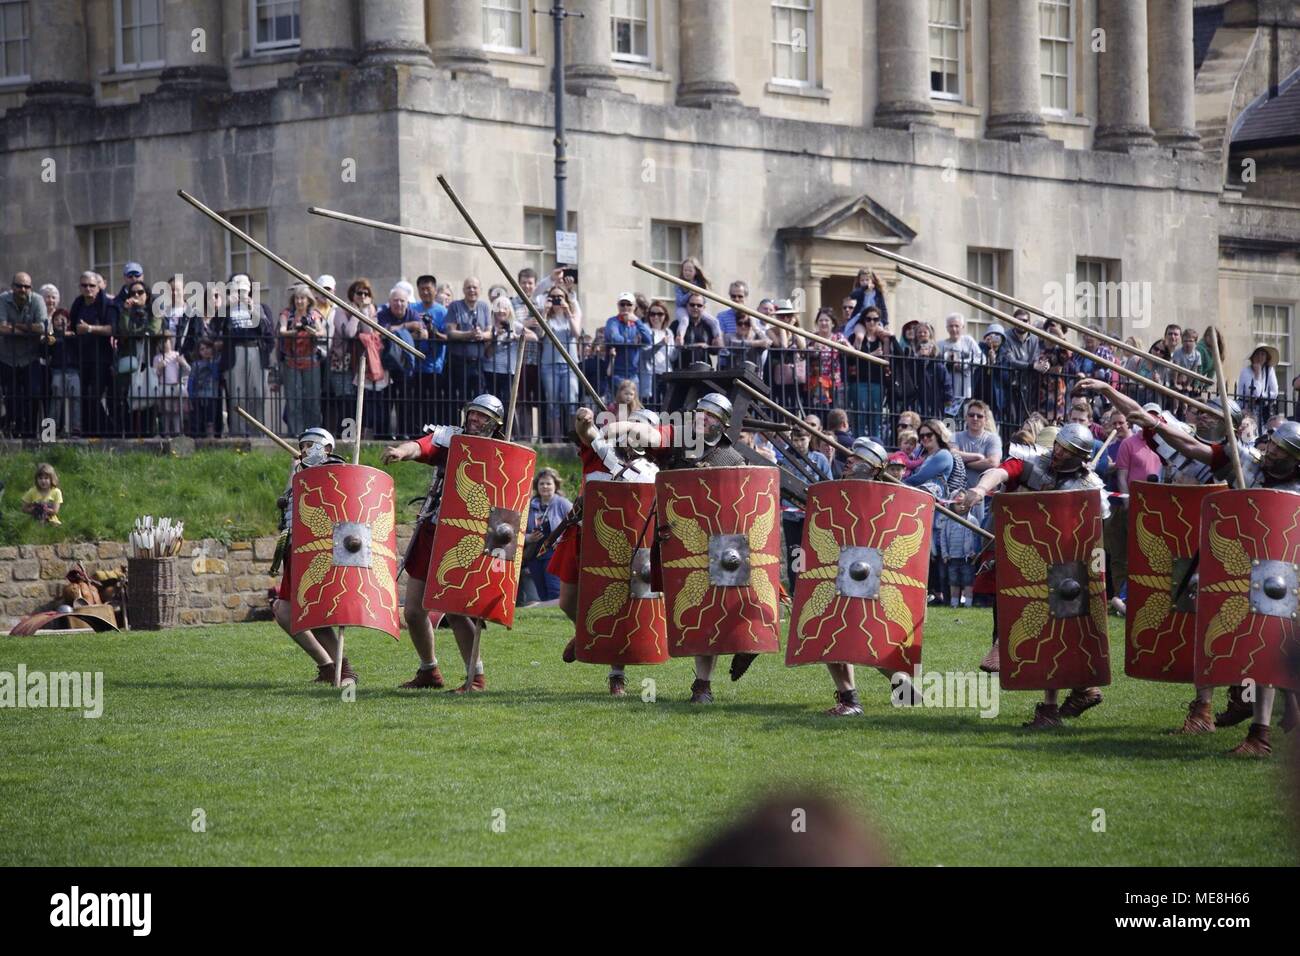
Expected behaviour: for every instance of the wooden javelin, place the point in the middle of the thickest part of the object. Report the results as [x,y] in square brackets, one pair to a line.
[1229,430]
[514,284]
[755,314]
[884,475]
[417,233]
[1010,300]
[1058,341]
[298,274]
[267,432]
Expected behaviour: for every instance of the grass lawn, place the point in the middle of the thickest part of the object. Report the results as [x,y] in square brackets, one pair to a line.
[224,719]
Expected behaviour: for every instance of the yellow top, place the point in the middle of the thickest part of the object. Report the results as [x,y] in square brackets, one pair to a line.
[53,496]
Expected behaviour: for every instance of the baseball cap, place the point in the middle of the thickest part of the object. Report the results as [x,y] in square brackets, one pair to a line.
[627,297]
[1152,408]
[132,268]
[327,281]
[897,458]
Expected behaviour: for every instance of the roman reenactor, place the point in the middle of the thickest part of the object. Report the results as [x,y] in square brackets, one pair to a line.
[1048,575]
[316,447]
[860,597]
[730,568]
[1205,456]
[484,416]
[615,453]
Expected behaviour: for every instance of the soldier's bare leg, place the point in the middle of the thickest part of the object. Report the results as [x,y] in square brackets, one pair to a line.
[704,666]
[842,675]
[421,629]
[417,622]
[1290,711]
[569,605]
[304,639]
[465,629]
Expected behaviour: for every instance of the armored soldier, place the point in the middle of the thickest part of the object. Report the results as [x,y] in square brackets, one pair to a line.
[615,453]
[1065,468]
[707,446]
[316,447]
[1201,457]
[483,416]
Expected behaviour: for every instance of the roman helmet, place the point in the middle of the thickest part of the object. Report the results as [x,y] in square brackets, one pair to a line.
[1286,439]
[316,444]
[488,405]
[871,453]
[1209,428]
[1072,447]
[719,406]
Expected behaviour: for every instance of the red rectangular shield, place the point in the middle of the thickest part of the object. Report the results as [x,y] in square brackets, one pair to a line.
[620,619]
[1246,600]
[861,595]
[1164,532]
[477,541]
[343,549]
[720,554]
[1051,600]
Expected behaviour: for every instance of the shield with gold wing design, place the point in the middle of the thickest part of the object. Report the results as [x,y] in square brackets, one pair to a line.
[860,598]
[1164,532]
[477,551]
[720,548]
[620,618]
[1051,600]
[343,547]
[1246,601]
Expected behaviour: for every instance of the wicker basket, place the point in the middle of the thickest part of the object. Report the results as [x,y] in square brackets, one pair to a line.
[153,593]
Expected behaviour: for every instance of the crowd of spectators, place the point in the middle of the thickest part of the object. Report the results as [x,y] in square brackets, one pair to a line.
[171,358]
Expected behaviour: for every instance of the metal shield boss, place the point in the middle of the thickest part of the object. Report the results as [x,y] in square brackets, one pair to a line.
[343,549]
[620,618]
[1164,532]
[1246,604]
[478,539]
[1051,590]
[861,595]
[720,553]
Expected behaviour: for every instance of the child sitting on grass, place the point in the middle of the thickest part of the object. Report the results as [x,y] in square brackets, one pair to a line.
[43,501]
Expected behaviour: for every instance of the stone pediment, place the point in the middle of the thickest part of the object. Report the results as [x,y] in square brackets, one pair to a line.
[855,219]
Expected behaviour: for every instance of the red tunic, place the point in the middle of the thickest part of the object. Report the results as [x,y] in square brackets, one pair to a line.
[566,560]
[417,562]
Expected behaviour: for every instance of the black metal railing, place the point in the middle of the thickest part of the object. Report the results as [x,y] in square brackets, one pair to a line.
[125,387]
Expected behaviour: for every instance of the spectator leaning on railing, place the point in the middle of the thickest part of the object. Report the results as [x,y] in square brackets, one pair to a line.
[301,333]
[660,356]
[247,335]
[960,354]
[702,336]
[625,337]
[24,323]
[94,317]
[469,323]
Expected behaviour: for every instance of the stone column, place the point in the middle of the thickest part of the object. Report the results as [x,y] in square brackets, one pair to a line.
[329,39]
[1173,74]
[903,64]
[588,49]
[59,66]
[1123,117]
[457,31]
[195,61]
[393,31]
[706,42]
[1015,96]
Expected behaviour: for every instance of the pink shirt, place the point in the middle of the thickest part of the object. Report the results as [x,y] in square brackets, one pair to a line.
[1137,458]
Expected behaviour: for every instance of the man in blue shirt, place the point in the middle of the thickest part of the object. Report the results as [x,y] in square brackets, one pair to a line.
[625,336]
[432,383]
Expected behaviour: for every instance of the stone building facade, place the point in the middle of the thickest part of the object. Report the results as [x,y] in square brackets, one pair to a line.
[1031,143]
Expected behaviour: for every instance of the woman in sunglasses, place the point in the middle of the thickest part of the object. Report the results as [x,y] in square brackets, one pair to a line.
[659,357]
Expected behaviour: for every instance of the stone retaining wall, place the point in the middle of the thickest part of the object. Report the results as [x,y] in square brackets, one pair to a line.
[220,584]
